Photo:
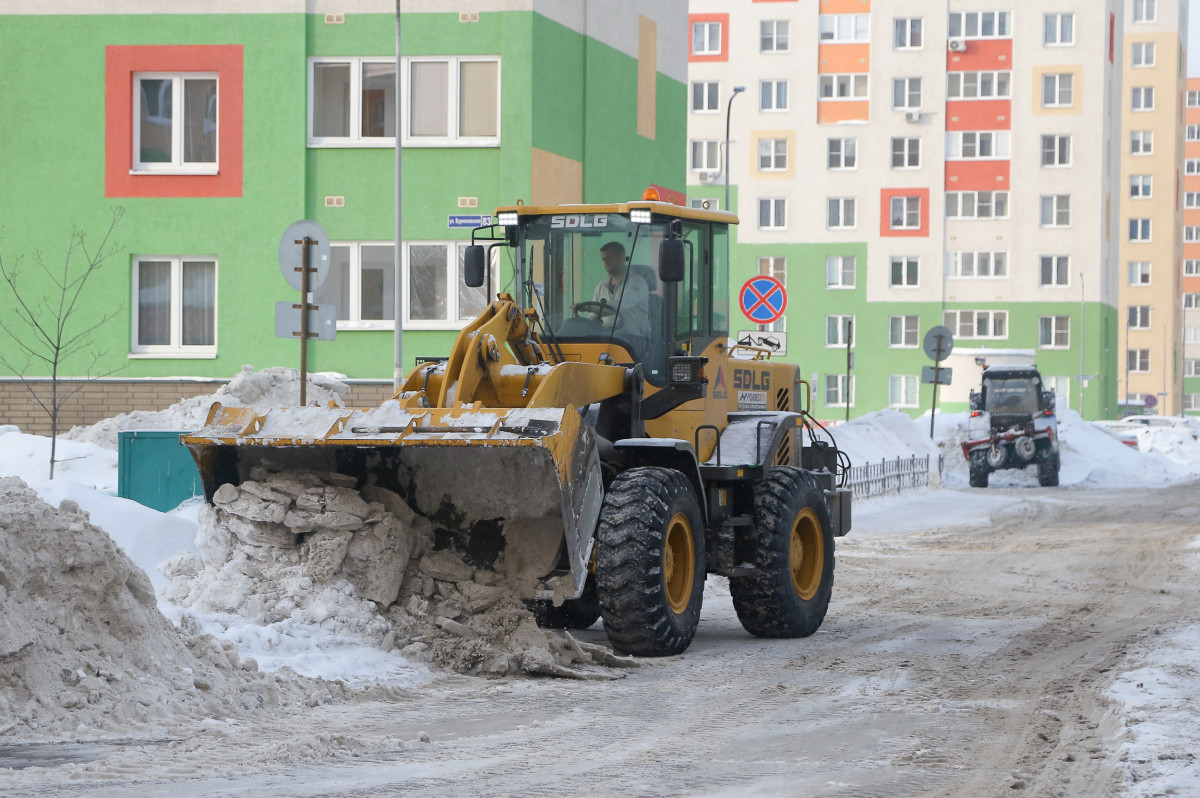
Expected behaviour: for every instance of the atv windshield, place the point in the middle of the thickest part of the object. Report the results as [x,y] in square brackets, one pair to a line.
[1012,397]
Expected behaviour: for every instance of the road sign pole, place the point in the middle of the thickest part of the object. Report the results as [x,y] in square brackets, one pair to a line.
[937,380]
[304,242]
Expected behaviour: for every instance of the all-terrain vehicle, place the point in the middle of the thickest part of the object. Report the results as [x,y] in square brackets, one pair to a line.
[1012,425]
[594,437]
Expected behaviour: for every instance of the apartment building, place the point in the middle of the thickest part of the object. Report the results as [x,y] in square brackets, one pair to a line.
[901,166]
[1189,283]
[216,128]
[1153,329]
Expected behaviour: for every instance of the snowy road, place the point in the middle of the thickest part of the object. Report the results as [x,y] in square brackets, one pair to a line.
[957,659]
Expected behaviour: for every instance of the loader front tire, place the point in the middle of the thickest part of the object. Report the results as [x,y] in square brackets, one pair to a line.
[788,592]
[1047,469]
[978,466]
[650,562]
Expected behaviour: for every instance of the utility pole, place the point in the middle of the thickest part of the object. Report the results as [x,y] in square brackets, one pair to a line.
[729,107]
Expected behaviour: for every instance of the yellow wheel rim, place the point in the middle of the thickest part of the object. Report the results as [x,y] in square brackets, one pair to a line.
[679,563]
[806,555]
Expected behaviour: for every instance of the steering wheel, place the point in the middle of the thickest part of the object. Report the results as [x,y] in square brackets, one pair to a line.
[601,309]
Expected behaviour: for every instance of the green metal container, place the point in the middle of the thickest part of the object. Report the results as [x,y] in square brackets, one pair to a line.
[154,469]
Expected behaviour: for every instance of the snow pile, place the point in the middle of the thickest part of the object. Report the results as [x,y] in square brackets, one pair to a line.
[271,387]
[83,647]
[886,435]
[307,549]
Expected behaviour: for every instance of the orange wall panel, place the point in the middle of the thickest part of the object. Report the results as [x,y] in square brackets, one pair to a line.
[724,20]
[845,6]
[979,115]
[832,112]
[885,210]
[843,58]
[981,54]
[977,175]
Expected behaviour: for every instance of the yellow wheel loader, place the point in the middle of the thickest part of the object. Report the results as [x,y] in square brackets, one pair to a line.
[594,437]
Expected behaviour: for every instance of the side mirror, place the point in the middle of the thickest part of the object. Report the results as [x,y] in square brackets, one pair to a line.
[474,271]
[1048,400]
[976,401]
[671,261]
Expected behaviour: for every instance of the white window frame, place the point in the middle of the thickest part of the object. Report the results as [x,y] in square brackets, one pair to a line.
[176,165]
[836,213]
[1191,200]
[1142,55]
[907,268]
[1193,98]
[904,212]
[1058,90]
[1191,267]
[975,25]
[1138,272]
[1191,166]
[770,99]
[175,349]
[1054,332]
[844,87]
[840,271]
[1145,11]
[1137,317]
[906,149]
[1141,98]
[1054,210]
[1140,230]
[904,390]
[1137,361]
[704,155]
[1141,142]
[773,32]
[707,43]
[846,155]
[454,250]
[353,311]
[904,331]
[906,31]
[773,153]
[968,204]
[1191,301]
[979,85]
[1191,401]
[954,319]
[966,145]
[709,94]
[835,336]
[906,94]
[1191,368]
[1191,233]
[1141,186]
[777,209]
[843,28]
[1058,29]
[841,386]
[1056,150]
[1191,132]
[1057,268]
[979,264]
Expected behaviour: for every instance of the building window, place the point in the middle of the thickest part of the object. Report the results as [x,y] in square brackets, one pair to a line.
[175,122]
[976,204]
[706,156]
[176,306]
[1139,272]
[906,93]
[1058,29]
[772,155]
[1191,401]
[1142,98]
[773,95]
[1141,142]
[844,27]
[839,390]
[1144,10]
[437,297]
[1143,54]
[1139,317]
[903,332]
[1191,200]
[977,323]
[906,271]
[1054,332]
[906,33]
[1191,268]
[706,38]
[979,264]
[1191,166]
[1056,150]
[1139,229]
[361,284]
[980,25]
[978,85]
[839,213]
[902,390]
[905,213]
[1191,335]
[1058,90]
[1055,211]
[1055,270]
[839,330]
[844,87]
[839,271]
[1192,133]
[1137,361]
[1140,186]
[906,153]
[773,36]
[1191,233]
[843,154]
[1191,301]
[968,145]
[1193,98]
[772,214]
[706,96]
[1191,368]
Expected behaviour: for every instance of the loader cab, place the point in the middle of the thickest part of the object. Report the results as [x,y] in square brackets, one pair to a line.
[604,279]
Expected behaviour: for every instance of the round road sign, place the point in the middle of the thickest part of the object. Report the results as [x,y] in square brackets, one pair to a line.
[290,256]
[763,299]
[1151,400]
[938,343]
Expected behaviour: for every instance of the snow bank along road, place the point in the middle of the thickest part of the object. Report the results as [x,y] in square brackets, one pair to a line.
[958,658]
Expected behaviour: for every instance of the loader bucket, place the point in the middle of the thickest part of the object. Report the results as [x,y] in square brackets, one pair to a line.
[517,491]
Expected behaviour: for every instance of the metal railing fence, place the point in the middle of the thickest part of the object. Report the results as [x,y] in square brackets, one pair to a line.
[890,476]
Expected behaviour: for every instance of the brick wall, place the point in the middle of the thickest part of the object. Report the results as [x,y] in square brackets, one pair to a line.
[100,399]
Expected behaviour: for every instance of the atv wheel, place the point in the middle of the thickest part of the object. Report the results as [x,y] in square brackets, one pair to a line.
[650,562]
[1047,469]
[578,613]
[788,593]
[979,468]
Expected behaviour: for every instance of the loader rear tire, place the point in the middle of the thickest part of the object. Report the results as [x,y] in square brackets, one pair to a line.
[578,613]
[979,468]
[788,593]
[1047,469]
[650,562]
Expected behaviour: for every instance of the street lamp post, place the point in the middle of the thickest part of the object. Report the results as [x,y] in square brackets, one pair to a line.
[728,107]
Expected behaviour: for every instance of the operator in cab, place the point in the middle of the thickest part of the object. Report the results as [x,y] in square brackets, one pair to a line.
[627,294]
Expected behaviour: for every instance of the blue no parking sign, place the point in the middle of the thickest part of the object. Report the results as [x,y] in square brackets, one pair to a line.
[763,299]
